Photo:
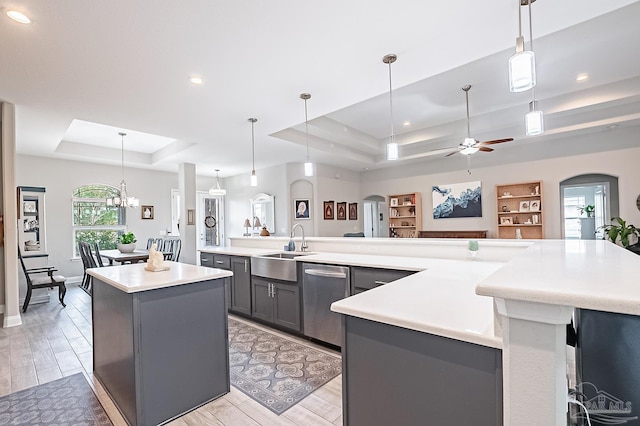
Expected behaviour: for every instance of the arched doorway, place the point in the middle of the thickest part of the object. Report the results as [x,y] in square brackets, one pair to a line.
[597,190]
[375,216]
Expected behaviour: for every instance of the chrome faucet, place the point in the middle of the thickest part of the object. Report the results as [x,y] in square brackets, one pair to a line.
[304,245]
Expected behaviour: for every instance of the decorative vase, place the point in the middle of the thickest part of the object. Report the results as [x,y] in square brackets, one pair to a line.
[265,232]
[126,248]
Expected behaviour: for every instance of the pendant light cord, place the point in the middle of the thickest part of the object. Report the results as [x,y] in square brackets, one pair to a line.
[391,104]
[253,148]
[306,127]
[519,18]
[533,89]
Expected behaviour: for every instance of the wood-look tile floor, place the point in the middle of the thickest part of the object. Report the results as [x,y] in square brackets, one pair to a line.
[53,342]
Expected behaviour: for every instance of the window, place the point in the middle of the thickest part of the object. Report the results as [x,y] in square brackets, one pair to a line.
[93,220]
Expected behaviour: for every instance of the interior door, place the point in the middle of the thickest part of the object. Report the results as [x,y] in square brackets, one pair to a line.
[210,220]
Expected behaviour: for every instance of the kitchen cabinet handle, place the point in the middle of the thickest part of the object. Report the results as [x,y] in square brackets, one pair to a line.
[322,273]
[381,282]
[219,261]
[204,260]
[245,266]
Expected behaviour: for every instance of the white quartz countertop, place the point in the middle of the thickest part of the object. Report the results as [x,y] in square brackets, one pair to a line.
[590,274]
[370,260]
[440,300]
[238,251]
[134,278]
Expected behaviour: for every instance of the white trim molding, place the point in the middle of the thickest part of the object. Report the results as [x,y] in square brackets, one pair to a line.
[12,321]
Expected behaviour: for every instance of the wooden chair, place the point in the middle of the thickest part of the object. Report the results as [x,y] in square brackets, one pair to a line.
[48,281]
[97,252]
[87,262]
[171,249]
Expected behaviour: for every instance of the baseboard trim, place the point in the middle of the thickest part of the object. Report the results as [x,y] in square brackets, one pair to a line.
[12,321]
[74,280]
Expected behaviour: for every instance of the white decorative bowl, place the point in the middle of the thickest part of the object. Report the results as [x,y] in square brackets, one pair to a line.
[126,248]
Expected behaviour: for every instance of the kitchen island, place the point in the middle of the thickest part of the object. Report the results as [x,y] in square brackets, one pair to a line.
[160,338]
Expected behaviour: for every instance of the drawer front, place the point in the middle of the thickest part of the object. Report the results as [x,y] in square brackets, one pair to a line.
[368,278]
[221,261]
[206,259]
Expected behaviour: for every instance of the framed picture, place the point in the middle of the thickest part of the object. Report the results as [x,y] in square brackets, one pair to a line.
[29,207]
[191,217]
[302,210]
[328,209]
[146,212]
[393,202]
[534,205]
[506,220]
[342,211]
[524,206]
[353,211]
[456,200]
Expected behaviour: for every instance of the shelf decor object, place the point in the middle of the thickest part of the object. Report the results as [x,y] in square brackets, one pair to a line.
[519,210]
[405,215]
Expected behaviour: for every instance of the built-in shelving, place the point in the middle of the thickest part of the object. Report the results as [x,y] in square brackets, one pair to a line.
[519,208]
[405,215]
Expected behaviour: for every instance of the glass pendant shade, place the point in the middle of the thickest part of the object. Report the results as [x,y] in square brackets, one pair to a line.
[534,120]
[308,169]
[392,151]
[254,178]
[217,190]
[123,199]
[522,71]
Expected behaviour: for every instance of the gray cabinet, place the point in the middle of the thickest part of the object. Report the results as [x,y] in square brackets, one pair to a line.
[363,279]
[241,284]
[276,302]
[238,287]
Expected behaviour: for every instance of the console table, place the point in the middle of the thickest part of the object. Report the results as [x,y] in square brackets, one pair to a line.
[452,234]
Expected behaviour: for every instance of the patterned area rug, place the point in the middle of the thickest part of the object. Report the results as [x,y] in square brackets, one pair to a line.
[66,401]
[275,371]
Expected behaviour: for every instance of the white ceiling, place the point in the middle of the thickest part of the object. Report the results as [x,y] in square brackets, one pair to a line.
[126,65]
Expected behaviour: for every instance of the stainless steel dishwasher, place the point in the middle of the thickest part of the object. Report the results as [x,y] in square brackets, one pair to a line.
[321,286]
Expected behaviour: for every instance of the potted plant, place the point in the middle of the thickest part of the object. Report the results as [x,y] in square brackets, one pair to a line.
[588,209]
[127,242]
[619,229]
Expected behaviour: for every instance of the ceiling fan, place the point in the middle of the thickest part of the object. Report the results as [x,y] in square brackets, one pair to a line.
[470,145]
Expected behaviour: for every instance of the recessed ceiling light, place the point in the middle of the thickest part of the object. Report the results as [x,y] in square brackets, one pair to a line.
[196,80]
[18,16]
[406,123]
[582,77]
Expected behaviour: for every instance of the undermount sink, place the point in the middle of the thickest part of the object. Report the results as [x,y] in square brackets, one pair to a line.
[277,266]
[286,254]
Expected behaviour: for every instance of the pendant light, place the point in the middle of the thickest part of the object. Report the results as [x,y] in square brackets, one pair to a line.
[392,146]
[469,144]
[123,200]
[217,190]
[254,178]
[522,65]
[534,119]
[308,165]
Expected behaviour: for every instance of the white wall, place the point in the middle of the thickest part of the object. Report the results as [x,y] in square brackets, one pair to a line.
[339,185]
[60,177]
[621,163]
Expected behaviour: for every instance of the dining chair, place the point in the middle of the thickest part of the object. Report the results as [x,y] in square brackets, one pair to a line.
[171,249]
[150,242]
[97,253]
[87,262]
[35,282]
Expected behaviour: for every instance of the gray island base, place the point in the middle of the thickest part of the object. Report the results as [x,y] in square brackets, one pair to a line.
[393,375]
[162,352]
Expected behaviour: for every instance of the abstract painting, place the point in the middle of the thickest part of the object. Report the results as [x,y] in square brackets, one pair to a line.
[457,200]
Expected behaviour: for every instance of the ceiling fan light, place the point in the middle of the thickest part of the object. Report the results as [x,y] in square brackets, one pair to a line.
[534,123]
[308,169]
[392,151]
[469,150]
[254,178]
[522,71]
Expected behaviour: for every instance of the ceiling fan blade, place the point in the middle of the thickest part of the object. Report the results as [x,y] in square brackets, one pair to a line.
[495,141]
[454,152]
[485,149]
